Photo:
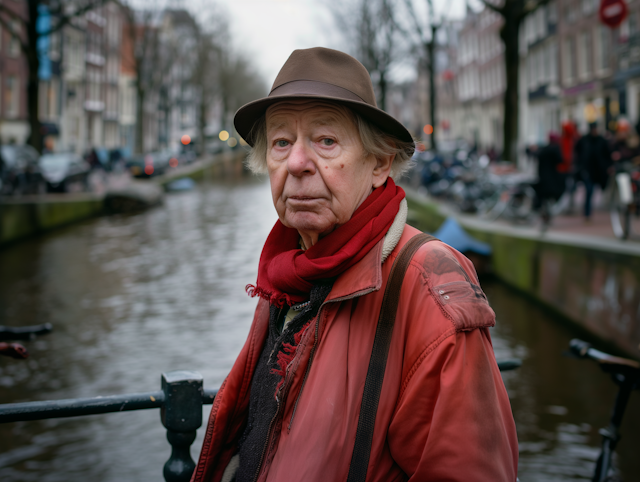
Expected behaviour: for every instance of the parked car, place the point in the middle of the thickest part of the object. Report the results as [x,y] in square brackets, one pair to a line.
[62,170]
[148,165]
[19,170]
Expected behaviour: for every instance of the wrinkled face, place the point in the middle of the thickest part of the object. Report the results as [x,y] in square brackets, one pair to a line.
[318,172]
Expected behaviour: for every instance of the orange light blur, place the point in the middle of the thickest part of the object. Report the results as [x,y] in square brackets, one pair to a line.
[185,139]
[428,129]
[148,169]
[173,162]
[420,147]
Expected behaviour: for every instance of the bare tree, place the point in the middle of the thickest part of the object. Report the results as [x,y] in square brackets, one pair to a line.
[513,12]
[371,27]
[239,83]
[153,53]
[425,34]
[210,42]
[25,31]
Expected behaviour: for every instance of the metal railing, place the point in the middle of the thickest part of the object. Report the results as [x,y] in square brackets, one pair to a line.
[180,402]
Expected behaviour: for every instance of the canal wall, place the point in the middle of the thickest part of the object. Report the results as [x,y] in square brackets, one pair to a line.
[34,214]
[31,215]
[223,165]
[593,282]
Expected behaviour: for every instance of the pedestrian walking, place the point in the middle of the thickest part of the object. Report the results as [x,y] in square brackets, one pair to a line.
[593,159]
[301,401]
[551,182]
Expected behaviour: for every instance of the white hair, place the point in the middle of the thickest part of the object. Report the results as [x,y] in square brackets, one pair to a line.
[374,142]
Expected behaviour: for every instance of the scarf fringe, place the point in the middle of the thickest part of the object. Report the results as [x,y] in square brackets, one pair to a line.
[272,298]
[285,356]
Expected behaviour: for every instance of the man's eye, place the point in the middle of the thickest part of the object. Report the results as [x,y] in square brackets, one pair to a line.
[282,143]
[328,142]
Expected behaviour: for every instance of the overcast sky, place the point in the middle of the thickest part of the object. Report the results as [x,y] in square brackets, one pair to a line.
[269,30]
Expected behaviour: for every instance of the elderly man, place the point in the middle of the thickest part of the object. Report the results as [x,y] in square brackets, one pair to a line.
[290,410]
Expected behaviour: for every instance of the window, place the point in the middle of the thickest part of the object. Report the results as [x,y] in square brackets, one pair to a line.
[553,63]
[605,47]
[12,96]
[586,54]
[546,54]
[552,12]
[570,14]
[14,43]
[569,60]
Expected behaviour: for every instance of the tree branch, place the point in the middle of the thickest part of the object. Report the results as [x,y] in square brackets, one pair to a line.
[66,18]
[491,6]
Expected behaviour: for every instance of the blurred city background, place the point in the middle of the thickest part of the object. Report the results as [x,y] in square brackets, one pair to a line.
[129,223]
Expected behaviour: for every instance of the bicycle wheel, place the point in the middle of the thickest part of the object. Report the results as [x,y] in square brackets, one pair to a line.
[494,211]
[521,204]
[619,212]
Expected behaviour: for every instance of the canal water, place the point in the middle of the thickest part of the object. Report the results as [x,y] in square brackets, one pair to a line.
[133,296]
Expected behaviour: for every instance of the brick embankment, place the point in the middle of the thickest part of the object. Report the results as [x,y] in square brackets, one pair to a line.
[579,270]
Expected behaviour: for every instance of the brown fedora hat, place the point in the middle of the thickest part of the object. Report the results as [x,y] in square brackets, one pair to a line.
[322,74]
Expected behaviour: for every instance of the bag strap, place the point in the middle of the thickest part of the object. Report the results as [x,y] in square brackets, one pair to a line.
[378,362]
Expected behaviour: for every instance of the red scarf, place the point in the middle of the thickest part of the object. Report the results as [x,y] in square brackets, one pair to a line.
[286,272]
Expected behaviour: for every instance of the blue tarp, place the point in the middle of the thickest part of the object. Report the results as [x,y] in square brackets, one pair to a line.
[451,233]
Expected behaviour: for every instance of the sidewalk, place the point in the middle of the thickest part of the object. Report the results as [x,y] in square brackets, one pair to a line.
[566,229]
[599,225]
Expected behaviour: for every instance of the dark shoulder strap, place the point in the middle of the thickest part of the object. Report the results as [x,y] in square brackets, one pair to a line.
[378,361]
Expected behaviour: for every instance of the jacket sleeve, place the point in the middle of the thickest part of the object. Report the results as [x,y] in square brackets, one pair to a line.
[453,421]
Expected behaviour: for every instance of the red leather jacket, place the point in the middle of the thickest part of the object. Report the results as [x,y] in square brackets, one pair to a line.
[443,414]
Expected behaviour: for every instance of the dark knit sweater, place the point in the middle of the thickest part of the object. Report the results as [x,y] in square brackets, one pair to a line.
[263,405]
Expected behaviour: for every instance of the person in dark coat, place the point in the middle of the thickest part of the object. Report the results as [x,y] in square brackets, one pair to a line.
[551,183]
[593,158]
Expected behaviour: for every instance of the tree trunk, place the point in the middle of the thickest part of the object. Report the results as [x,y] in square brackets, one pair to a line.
[382,86]
[510,37]
[140,95]
[33,65]
[432,86]
[202,123]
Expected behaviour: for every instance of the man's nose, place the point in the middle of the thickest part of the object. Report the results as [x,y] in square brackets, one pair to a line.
[300,160]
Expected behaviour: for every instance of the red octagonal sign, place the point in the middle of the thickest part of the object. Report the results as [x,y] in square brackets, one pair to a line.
[613,12]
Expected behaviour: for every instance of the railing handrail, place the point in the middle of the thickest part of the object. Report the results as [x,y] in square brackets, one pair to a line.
[77,407]
[180,402]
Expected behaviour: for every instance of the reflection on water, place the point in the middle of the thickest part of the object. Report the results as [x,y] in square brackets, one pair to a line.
[559,403]
[133,296]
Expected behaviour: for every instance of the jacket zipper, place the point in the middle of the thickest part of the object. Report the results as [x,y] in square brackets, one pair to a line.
[313,349]
[284,387]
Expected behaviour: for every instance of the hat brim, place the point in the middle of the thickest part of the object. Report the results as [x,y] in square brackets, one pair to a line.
[246,117]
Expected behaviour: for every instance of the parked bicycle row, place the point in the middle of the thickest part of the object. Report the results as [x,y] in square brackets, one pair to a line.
[495,190]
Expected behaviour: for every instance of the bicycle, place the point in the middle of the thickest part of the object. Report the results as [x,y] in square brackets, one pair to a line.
[511,201]
[626,374]
[624,199]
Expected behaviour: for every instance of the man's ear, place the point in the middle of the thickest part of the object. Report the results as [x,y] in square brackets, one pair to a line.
[382,169]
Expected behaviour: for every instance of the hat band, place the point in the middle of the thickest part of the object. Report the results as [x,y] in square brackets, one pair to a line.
[313,87]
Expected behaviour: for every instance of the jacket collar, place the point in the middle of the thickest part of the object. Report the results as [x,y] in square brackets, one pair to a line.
[363,277]
[366,275]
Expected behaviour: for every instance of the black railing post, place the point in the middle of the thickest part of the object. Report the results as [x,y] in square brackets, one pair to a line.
[181,415]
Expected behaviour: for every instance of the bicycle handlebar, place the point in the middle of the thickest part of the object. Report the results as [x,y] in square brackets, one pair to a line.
[582,349]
